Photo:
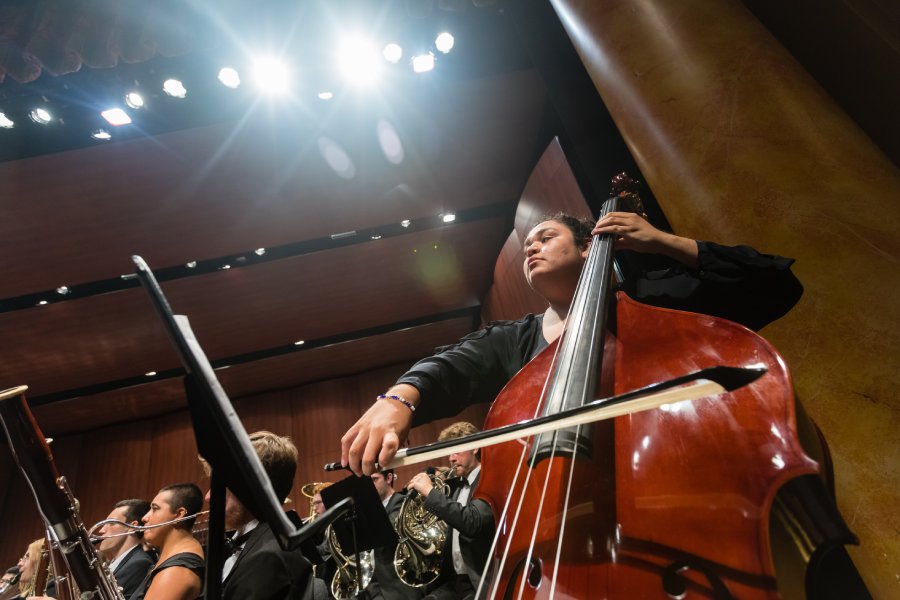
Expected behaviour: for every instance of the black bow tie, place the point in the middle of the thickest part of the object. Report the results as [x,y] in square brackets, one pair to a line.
[235,543]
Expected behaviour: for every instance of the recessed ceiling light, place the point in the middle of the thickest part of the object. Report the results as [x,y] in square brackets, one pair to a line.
[423,63]
[448,218]
[174,88]
[42,303]
[229,77]
[325,95]
[444,42]
[191,265]
[259,251]
[392,53]
[376,236]
[101,134]
[5,122]
[404,223]
[63,290]
[134,100]
[271,75]
[116,116]
[41,116]
[299,342]
[150,373]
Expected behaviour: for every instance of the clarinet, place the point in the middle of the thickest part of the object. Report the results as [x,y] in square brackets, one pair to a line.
[54,499]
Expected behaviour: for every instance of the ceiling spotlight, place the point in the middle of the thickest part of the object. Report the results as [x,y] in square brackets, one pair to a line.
[191,265]
[229,77]
[444,42]
[299,342]
[376,237]
[448,218]
[116,116]
[41,116]
[5,122]
[101,134]
[259,251]
[271,75]
[423,63]
[392,53]
[325,95]
[358,61]
[42,303]
[63,290]
[404,223]
[150,373]
[134,100]
[174,88]
[225,267]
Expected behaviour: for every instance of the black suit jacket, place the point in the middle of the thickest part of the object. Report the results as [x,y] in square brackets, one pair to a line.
[263,571]
[475,523]
[385,584]
[130,573]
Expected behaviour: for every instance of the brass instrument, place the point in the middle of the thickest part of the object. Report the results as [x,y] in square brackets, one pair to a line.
[343,584]
[417,559]
[310,490]
[54,499]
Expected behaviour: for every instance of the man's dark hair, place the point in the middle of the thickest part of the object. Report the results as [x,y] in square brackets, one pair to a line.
[135,508]
[580,228]
[187,496]
[393,475]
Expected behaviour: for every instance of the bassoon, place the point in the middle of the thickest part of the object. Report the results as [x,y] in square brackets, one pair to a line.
[54,499]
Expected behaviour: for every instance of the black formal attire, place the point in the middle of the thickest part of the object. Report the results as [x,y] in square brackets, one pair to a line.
[263,571]
[386,584]
[474,521]
[188,560]
[736,283]
[132,570]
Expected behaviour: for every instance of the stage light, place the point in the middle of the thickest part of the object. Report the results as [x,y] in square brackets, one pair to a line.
[448,218]
[174,88]
[423,63]
[5,122]
[405,223]
[134,100]
[325,95]
[358,62]
[116,117]
[41,116]
[271,75]
[392,53]
[101,134]
[229,77]
[444,42]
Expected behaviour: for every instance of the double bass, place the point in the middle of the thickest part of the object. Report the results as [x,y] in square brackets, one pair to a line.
[673,502]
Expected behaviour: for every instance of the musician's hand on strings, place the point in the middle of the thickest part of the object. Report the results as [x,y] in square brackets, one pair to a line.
[421,483]
[377,435]
[633,232]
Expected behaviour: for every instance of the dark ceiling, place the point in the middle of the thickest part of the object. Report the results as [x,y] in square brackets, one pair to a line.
[229,197]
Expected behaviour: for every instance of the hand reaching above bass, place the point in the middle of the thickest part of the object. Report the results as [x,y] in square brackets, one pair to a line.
[633,232]
[378,434]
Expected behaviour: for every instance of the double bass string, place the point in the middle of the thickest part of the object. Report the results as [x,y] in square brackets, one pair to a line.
[504,513]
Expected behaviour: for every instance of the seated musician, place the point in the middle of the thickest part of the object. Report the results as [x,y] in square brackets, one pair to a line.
[736,283]
[470,521]
[385,582]
[178,574]
[128,561]
[28,567]
[258,569]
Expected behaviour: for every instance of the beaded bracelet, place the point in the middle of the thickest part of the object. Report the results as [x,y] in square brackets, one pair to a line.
[399,399]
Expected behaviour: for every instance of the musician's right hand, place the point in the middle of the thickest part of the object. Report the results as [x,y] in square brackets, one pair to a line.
[377,435]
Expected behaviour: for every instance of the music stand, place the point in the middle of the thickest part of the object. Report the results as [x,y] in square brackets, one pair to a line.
[224,444]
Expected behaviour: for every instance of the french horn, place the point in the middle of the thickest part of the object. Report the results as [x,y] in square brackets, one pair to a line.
[417,559]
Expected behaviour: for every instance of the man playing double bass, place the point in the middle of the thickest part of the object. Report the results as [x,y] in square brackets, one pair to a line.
[737,283]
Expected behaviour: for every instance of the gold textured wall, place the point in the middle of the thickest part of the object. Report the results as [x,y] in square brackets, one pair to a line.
[739,144]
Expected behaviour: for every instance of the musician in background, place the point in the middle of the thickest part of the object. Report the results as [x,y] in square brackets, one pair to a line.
[128,561]
[28,566]
[259,569]
[178,574]
[385,583]
[9,579]
[470,521]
